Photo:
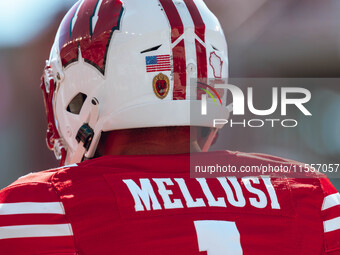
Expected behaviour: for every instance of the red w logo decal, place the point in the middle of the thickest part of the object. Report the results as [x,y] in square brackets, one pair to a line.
[89,25]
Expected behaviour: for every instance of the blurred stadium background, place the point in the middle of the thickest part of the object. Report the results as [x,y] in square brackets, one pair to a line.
[267,38]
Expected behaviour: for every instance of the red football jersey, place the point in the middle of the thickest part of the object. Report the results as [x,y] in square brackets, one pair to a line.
[150,205]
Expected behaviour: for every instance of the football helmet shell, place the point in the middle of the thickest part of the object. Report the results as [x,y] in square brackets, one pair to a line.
[121,64]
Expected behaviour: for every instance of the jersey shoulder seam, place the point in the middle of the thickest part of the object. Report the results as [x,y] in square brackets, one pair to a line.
[66,215]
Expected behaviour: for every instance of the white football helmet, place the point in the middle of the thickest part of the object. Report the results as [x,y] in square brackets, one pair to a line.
[122,64]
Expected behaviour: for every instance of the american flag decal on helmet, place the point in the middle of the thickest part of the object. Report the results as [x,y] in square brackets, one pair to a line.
[158,63]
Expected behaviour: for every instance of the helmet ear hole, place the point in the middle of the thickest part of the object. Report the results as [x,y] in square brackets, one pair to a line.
[76,103]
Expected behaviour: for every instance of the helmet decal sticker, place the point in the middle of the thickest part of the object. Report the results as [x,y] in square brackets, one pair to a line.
[216,63]
[89,25]
[161,85]
[158,63]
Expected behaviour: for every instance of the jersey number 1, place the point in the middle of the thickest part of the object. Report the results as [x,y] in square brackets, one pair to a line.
[218,237]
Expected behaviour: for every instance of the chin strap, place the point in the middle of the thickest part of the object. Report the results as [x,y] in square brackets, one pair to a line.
[86,133]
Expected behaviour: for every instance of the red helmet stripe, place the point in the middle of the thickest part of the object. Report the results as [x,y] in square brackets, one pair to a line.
[180,73]
[202,70]
[174,18]
[178,52]
[197,18]
[201,53]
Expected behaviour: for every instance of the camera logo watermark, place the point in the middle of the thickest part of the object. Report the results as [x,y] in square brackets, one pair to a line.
[242,100]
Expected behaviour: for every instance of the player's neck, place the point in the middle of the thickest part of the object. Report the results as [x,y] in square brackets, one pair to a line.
[159,141]
[153,149]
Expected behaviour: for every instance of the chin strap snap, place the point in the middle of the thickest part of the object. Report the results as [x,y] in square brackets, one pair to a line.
[86,133]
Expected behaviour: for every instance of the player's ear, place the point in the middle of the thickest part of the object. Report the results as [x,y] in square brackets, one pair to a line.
[215,138]
[206,137]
